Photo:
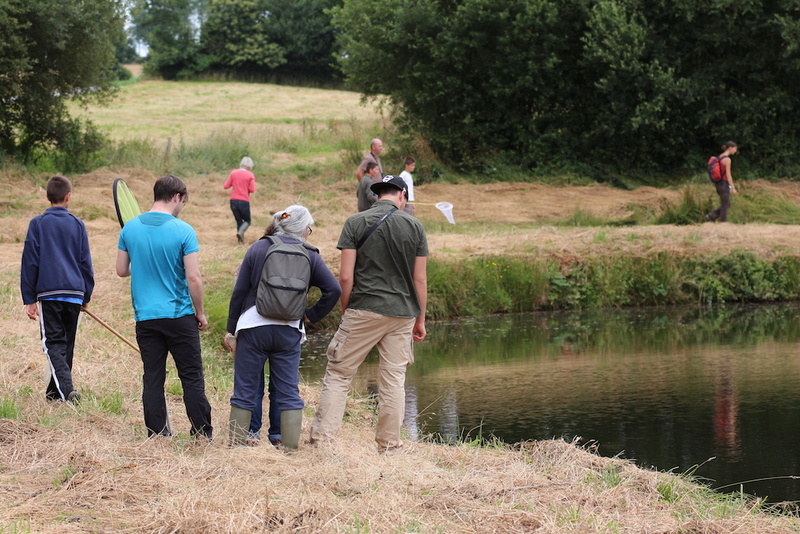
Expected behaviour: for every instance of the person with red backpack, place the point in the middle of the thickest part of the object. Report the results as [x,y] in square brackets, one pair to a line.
[719,172]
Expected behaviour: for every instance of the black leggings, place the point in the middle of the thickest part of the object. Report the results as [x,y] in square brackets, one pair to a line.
[724,192]
[241,212]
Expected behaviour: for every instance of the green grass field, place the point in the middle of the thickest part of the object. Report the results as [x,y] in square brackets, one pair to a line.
[191,110]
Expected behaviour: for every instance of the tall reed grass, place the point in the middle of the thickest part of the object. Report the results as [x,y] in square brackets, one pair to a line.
[752,205]
[497,284]
[749,206]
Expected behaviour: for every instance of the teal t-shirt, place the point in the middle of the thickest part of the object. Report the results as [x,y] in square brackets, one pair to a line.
[156,244]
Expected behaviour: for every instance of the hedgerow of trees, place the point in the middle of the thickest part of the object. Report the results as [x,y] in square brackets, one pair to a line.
[647,85]
[642,87]
[52,50]
[254,39]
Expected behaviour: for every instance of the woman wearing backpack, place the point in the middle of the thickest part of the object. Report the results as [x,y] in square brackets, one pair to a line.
[720,172]
[260,338]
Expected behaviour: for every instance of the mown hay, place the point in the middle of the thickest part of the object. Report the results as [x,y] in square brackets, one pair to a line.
[89,475]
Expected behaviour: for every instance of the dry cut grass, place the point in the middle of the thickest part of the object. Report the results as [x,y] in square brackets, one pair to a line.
[71,470]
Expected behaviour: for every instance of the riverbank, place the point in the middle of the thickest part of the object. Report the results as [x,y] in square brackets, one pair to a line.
[90,469]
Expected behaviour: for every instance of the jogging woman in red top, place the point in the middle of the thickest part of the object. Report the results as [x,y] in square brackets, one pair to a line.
[242,183]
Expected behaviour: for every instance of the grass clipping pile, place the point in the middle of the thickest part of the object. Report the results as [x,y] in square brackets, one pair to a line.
[91,468]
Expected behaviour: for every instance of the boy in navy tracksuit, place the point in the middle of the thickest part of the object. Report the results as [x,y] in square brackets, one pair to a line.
[56,282]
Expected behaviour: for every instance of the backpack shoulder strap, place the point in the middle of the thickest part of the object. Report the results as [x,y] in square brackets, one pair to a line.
[374,227]
[273,241]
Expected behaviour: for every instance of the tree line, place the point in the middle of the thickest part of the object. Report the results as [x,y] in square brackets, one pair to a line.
[646,88]
[603,86]
[245,39]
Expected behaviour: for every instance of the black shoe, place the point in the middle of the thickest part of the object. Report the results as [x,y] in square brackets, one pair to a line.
[240,239]
[74,397]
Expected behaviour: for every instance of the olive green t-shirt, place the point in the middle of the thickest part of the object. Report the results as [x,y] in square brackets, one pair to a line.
[383,280]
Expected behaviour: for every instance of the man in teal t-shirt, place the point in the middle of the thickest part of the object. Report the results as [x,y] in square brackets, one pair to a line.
[159,252]
[159,241]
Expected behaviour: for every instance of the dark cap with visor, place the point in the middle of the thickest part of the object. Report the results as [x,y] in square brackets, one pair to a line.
[390,182]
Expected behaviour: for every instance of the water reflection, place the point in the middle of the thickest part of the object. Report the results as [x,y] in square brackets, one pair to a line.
[727,444]
[670,388]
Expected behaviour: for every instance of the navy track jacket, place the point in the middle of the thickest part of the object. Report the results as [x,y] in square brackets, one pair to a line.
[56,262]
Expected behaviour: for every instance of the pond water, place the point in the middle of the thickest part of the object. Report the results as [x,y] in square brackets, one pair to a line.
[709,391]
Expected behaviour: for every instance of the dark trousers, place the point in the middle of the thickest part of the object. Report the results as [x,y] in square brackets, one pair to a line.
[274,430]
[281,345]
[724,192]
[241,212]
[179,337]
[58,324]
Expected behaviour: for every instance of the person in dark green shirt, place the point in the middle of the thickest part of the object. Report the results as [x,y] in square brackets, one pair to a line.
[384,295]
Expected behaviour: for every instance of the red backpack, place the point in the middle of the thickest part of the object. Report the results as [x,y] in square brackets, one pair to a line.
[716,171]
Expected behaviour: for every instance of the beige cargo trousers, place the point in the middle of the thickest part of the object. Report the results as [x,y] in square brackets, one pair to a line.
[359,331]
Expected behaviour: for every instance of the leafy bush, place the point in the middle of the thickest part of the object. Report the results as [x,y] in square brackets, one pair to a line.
[54,50]
[123,73]
[79,146]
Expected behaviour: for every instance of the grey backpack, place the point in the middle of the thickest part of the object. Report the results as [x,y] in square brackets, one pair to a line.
[283,287]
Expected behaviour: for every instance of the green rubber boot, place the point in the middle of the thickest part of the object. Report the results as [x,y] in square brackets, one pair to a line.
[242,229]
[291,425]
[239,425]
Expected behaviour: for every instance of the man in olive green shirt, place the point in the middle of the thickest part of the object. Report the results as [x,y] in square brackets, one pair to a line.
[384,294]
